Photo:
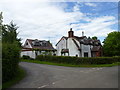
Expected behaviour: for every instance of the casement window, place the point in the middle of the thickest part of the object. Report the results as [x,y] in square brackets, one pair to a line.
[26,43]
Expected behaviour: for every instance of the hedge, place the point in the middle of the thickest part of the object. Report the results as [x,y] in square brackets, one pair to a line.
[27,57]
[78,60]
[10,60]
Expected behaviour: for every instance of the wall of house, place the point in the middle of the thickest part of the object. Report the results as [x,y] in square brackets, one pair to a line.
[27,46]
[29,53]
[85,49]
[73,50]
[33,54]
[61,45]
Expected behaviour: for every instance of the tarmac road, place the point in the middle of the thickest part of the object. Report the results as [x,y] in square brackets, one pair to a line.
[49,76]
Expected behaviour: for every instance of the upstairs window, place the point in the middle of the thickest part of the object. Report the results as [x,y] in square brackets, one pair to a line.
[27,43]
[44,44]
[37,44]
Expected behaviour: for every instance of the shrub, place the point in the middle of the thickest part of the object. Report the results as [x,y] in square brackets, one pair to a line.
[78,60]
[10,60]
[25,57]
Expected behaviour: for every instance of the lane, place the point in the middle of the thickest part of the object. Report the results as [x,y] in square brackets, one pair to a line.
[49,76]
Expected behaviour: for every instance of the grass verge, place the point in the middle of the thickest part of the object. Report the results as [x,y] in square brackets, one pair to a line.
[70,65]
[20,75]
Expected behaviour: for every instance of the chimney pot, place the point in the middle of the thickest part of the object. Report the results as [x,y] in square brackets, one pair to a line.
[82,33]
[70,33]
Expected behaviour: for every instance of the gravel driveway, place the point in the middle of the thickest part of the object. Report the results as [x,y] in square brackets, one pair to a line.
[49,76]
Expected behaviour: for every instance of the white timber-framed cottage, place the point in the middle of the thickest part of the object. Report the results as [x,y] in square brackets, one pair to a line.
[78,46]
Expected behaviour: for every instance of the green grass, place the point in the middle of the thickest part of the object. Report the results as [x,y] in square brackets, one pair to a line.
[15,80]
[70,65]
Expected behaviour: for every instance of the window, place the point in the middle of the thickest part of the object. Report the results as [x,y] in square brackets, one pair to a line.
[85,54]
[36,44]
[26,43]
[45,44]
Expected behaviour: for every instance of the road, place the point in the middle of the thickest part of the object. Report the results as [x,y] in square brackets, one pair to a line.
[49,76]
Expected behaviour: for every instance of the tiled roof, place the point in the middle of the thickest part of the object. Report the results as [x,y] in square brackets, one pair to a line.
[95,48]
[61,39]
[83,40]
[76,44]
[87,41]
[40,44]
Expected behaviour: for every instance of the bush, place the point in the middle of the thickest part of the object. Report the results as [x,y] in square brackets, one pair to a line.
[10,60]
[78,60]
[25,57]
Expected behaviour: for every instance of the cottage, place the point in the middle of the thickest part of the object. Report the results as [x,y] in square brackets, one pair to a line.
[36,47]
[78,46]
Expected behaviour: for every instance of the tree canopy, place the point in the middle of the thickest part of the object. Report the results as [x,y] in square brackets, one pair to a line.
[111,45]
[10,50]
[9,33]
[94,38]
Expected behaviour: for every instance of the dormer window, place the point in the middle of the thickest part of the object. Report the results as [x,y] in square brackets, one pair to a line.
[44,44]
[36,44]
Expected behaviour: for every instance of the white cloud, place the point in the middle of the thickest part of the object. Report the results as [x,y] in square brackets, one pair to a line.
[76,8]
[38,20]
[99,26]
[91,4]
[46,20]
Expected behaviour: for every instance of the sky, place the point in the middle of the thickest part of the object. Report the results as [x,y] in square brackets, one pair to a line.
[51,20]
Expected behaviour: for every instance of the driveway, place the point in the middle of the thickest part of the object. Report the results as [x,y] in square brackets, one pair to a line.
[49,76]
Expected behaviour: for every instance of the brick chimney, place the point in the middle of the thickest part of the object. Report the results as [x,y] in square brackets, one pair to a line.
[70,33]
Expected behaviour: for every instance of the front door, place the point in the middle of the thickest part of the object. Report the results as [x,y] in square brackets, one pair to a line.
[85,54]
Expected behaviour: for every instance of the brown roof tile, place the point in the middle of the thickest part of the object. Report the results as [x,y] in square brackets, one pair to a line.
[95,48]
[45,44]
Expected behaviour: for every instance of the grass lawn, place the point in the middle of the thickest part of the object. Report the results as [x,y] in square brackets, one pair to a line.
[18,77]
[70,65]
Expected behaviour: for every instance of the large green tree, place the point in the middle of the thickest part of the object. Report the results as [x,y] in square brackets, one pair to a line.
[111,45]
[9,34]
[10,50]
[1,25]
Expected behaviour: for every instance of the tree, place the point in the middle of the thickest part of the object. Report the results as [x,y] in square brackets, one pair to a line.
[10,51]
[94,38]
[1,18]
[9,34]
[89,37]
[111,45]
[1,25]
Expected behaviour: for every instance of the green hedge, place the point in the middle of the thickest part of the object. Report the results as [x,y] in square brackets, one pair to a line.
[10,60]
[78,60]
[25,57]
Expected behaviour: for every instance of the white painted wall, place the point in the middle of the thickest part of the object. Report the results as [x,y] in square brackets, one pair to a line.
[27,46]
[73,50]
[32,53]
[29,53]
[61,45]
[86,48]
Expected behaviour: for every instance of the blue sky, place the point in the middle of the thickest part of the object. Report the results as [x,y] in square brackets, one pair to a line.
[52,20]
